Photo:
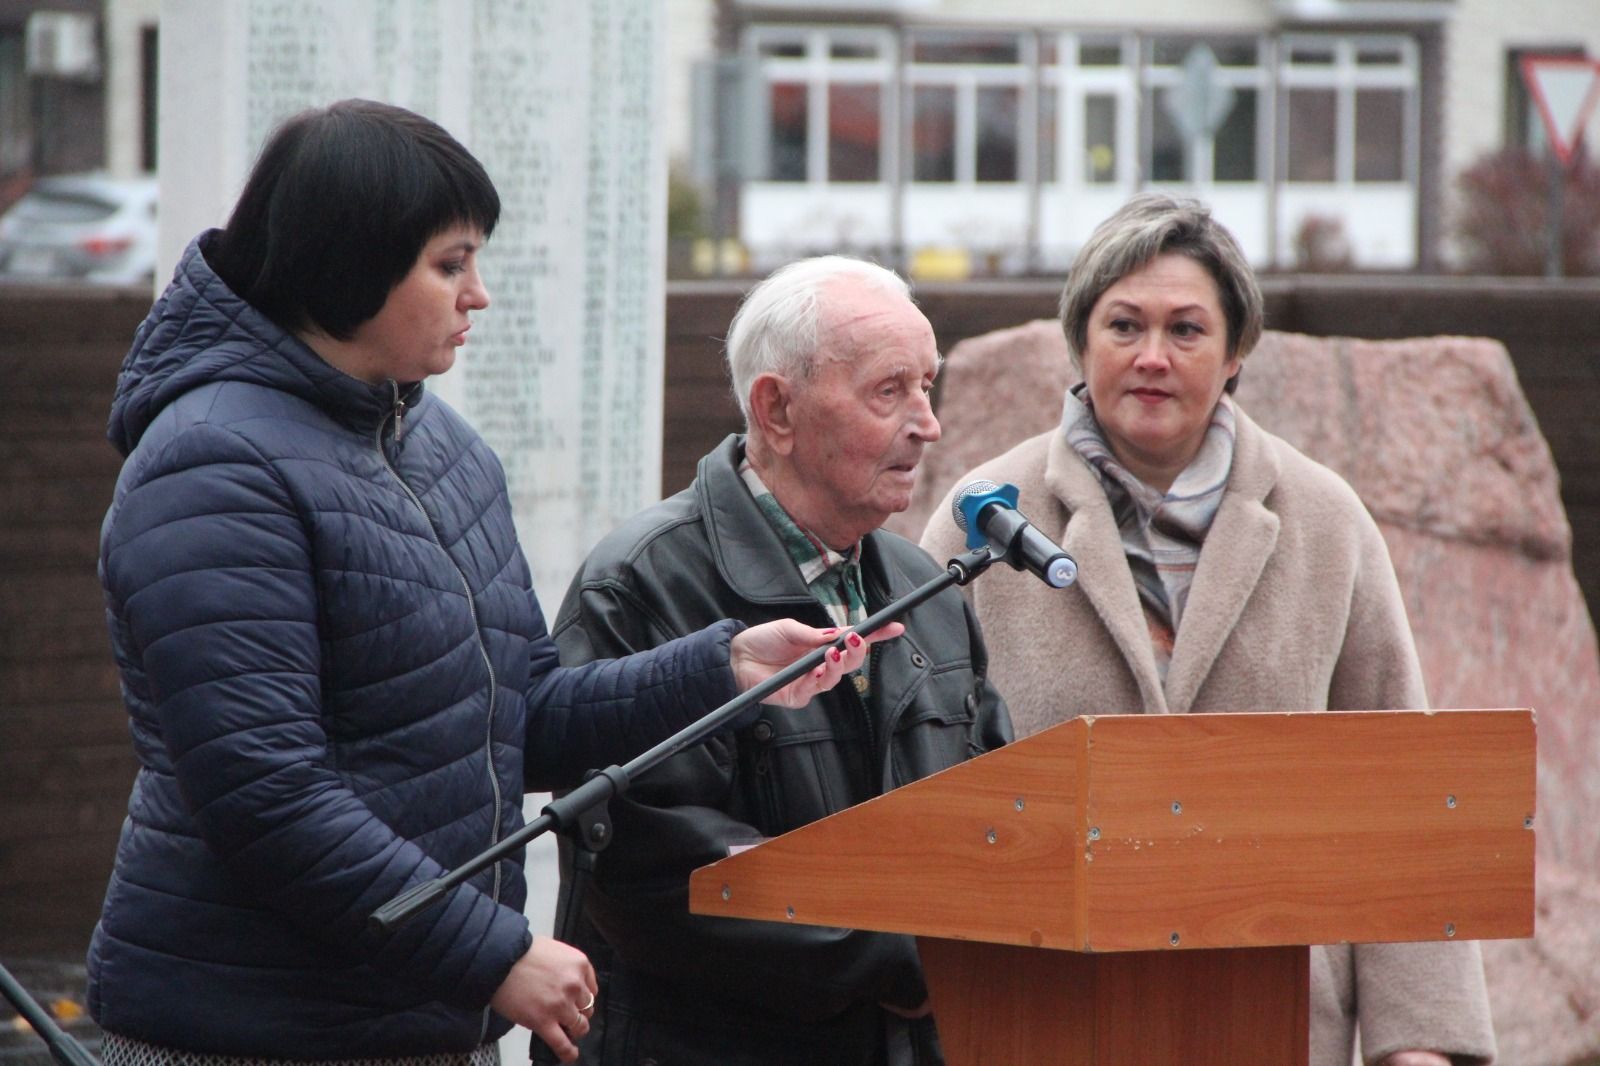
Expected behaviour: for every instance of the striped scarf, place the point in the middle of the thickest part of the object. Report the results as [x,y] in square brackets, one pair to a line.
[1161,533]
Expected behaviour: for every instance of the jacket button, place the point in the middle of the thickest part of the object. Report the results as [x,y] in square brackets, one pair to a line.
[762,730]
[918,661]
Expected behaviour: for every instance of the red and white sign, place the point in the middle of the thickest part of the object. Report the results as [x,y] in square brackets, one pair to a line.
[1565,89]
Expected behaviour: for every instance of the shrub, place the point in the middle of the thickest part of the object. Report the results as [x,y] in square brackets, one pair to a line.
[1321,245]
[1501,222]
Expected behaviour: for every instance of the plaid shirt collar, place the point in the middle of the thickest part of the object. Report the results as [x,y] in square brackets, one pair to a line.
[834,578]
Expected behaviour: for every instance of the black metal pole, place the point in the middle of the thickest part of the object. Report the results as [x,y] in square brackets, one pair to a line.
[566,812]
[63,1047]
[1553,266]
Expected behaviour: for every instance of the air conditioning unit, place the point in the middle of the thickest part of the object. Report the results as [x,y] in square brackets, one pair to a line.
[63,44]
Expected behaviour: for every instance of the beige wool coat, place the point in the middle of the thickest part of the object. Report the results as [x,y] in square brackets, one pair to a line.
[1294,606]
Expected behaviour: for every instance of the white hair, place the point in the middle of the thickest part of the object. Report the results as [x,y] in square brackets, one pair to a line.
[777,327]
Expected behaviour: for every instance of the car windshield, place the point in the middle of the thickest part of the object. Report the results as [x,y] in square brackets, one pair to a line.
[53,205]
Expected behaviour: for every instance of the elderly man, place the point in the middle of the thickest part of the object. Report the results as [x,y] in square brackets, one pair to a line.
[832,365]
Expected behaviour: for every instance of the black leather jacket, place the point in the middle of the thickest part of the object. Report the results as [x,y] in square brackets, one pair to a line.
[690,989]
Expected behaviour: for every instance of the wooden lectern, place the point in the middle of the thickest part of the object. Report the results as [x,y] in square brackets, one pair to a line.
[1139,890]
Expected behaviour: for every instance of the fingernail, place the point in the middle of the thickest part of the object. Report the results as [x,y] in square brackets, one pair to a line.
[817,673]
[835,654]
[854,640]
[829,632]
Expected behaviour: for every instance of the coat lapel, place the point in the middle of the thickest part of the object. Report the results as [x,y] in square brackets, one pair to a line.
[1242,537]
[1091,538]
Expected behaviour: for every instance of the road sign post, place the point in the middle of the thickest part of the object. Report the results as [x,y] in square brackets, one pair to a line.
[1564,90]
[1199,108]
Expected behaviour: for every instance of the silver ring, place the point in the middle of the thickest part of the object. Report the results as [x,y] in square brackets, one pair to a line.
[589,1006]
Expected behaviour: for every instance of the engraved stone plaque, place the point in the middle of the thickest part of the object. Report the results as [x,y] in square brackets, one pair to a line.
[559,101]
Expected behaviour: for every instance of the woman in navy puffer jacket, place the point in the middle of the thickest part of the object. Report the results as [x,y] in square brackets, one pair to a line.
[338,677]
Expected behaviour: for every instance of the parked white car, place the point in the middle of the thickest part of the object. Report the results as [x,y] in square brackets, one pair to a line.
[81,227]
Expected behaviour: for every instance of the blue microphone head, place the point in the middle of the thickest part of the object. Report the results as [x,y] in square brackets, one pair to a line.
[972,499]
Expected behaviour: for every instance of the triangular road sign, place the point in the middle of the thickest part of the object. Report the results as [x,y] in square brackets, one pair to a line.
[1565,89]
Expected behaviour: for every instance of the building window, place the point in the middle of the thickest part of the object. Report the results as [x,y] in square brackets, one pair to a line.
[1099,52]
[969,95]
[933,133]
[1169,148]
[1099,138]
[855,132]
[1380,135]
[1049,143]
[828,93]
[789,116]
[1087,98]
[1350,105]
[16,149]
[998,109]
[1313,134]
[1234,143]
[965,48]
[989,108]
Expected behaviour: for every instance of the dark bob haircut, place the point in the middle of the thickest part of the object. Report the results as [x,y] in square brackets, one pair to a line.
[338,208]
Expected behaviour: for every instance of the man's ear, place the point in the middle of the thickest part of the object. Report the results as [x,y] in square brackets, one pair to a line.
[772,411]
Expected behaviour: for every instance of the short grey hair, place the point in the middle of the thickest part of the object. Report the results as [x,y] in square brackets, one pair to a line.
[1153,224]
[779,325]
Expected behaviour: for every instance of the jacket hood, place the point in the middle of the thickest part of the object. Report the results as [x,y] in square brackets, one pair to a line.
[200,332]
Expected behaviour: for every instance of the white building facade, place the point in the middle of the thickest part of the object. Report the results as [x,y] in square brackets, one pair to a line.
[1000,132]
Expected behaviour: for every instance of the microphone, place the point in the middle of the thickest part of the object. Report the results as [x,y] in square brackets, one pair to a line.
[988,514]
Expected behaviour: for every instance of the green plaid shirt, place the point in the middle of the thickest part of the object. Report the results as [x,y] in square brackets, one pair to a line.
[834,578]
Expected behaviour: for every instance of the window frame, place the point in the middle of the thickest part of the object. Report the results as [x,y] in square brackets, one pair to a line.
[966,79]
[818,71]
[1345,77]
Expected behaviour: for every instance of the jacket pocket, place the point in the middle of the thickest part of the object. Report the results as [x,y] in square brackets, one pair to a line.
[938,729]
[804,764]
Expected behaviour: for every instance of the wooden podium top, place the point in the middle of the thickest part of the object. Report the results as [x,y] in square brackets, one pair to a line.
[1134,832]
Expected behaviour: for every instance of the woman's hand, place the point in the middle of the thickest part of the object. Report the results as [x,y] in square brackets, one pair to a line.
[550,990]
[761,651]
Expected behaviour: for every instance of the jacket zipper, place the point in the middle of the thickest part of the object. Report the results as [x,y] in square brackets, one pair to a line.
[873,689]
[477,632]
[399,415]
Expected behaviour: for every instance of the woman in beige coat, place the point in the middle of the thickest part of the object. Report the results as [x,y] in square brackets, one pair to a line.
[1219,570]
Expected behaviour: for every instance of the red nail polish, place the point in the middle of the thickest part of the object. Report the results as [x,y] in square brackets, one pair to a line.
[834,654]
[829,632]
[854,640]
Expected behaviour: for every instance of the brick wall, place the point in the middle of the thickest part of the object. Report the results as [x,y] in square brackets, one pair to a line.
[65,762]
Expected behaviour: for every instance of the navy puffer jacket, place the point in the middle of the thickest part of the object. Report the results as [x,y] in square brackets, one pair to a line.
[339,684]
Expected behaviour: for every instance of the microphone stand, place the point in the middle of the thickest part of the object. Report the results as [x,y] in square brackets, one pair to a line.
[64,1048]
[581,814]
